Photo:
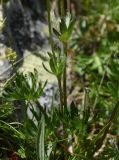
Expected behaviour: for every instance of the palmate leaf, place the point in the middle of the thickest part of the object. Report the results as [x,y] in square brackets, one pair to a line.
[66,28]
[56,33]
[70,28]
[60,68]
[64,37]
[24,87]
[52,65]
[63,26]
[46,69]
[56,64]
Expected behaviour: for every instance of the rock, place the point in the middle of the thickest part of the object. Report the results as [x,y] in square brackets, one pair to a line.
[50,95]
[5,66]
[26,31]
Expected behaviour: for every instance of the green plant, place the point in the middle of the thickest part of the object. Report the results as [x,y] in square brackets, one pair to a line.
[68,132]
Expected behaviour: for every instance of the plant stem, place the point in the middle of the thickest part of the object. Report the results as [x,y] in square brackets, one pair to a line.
[68,5]
[61,94]
[65,53]
[64,76]
[62,8]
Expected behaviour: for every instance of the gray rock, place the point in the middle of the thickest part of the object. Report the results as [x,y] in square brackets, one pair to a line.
[50,95]
[5,66]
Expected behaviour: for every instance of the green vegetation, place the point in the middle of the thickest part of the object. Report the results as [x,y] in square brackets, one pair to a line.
[84,131]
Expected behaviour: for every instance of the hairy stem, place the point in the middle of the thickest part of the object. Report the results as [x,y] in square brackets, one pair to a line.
[62,8]
[64,76]
[65,53]
[61,94]
[68,5]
